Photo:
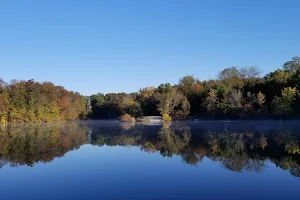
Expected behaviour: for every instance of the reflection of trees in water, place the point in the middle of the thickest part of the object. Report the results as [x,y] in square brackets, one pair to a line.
[122,135]
[29,144]
[242,162]
[127,125]
[237,151]
[234,143]
[172,140]
[248,151]
[288,163]
[191,157]
[289,141]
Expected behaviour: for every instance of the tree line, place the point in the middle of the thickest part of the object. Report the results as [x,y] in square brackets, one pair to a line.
[30,101]
[237,93]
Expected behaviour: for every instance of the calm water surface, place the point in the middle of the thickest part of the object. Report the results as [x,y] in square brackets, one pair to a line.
[112,160]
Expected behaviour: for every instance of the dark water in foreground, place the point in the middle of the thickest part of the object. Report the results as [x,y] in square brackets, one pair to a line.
[112,160]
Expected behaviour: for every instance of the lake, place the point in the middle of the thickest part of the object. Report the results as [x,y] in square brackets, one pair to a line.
[179,160]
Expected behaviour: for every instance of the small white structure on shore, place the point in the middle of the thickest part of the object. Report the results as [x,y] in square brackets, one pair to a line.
[154,119]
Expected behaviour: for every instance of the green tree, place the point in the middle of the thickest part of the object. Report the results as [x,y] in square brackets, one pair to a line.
[282,106]
[186,84]
[279,76]
[164,88]
[229,73]
[4,105]
[193,89]
[211,101]
[174,103]
[293,65]
[148,100]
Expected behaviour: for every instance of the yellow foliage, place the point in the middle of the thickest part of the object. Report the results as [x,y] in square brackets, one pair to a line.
[292,149]
[289,93]
[147,92]
[127,118]
[128,101]
[212,93]
[3,120]
[263,142]
[166,117]
[260,98]
[18,115]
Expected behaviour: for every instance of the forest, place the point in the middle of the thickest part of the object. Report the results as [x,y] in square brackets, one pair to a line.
[30,101]
[237,93]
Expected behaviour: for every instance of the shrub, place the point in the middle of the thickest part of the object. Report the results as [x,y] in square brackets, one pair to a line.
[127,118]
[166,117]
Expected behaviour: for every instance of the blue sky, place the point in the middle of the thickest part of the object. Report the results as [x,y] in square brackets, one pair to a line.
[113,46]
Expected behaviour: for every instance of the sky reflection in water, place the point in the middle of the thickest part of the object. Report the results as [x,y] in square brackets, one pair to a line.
[192,160]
